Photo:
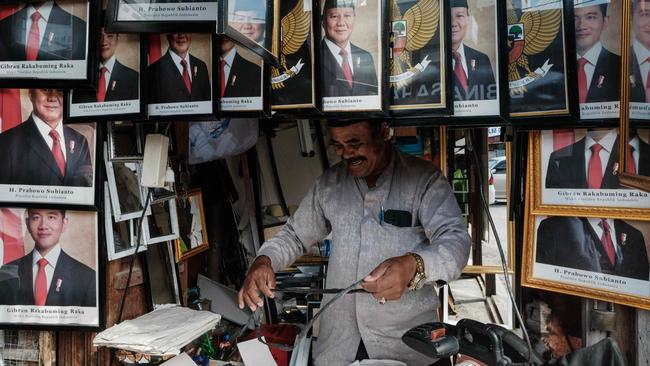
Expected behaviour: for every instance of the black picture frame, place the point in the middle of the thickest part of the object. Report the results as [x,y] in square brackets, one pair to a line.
[129,109]
[182,110]
[124,141]
[29,170]
[308,101]
[122,16]
[79,72]
[569,110]
[29,314]
[381,99]
[269,49]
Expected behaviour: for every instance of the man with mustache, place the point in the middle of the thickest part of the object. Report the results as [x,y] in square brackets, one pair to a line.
[41,150]
[179,76]
[394,223]
[47,276]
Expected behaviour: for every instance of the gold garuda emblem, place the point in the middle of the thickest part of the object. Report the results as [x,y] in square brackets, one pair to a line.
[410,33]
[294,30]
[529,35]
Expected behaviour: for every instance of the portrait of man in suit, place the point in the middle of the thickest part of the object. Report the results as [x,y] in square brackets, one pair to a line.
[116,81]
[593,161]
[249,18]
[347,70]
[42,31]
[41,150]
[47,276]
[239,77]
[472,68]
[179,76]
[598,68]
[608,246]
[640,73]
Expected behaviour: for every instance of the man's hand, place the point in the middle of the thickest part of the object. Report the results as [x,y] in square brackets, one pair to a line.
[260,278]
[389,280]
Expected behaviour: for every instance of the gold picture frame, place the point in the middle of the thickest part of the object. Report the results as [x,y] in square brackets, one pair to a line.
[192,239]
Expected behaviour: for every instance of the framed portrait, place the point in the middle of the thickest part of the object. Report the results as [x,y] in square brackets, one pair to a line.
[162,275]
[53,52]
[180,68]
[598,51]
[44,161]
[245,87]
[576,173]
[638,66]
[254,24]
[119,92]
[121,238]
[162,224]
[49,280]
[540,53]
[418,73]
[193,234]
[294,82]
[352,71]
[155,16]
[127,196]
[124,141]
[599,258]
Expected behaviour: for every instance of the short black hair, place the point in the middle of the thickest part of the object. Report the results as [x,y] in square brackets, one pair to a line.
[60,210]
[603,9]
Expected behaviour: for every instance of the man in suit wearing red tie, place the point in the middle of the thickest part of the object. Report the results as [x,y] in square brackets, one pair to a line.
[42,31]
[599,69]
[41,150]
[473,77]
[179,76]
[239,77]
[592,162]
[640,76]
[47,276]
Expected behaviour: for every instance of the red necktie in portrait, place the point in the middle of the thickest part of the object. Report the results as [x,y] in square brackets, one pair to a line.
[101,87]
[186,77]
[647,84]
[595,169]
[223,77]
[40,286]
[582,80]
[345,65]
[631,166]
[606,240]
[459,71]
[57,152]
[34,38]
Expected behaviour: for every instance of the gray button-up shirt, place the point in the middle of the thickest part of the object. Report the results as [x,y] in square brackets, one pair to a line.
[344,205]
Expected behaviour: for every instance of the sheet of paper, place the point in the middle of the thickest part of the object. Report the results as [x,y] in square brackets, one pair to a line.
[255,353]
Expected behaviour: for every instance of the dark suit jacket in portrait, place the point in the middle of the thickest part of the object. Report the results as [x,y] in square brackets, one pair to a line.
[166,82]
[479,77]
[566,166]
[572,242]
[77,283]
[244,80]
[64,37]
[364,76]
[608,68]
[122,85]
[25,158]
[637,90]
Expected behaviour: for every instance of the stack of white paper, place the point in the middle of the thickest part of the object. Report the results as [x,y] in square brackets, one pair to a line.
[161,332]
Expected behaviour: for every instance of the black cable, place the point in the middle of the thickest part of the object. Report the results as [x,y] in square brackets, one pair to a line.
[504,263]
[134,255]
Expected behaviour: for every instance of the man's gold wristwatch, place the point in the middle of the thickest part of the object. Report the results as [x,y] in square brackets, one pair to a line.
[420,276]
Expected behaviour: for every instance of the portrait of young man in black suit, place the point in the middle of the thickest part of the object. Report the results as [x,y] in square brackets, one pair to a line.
[47,276]
[346,69]
[240,77]
[42,151]
[640,53]
[608,246]
[593,161]
[179,76]
[472,69]
[599,69]
[115,81]
[42,32]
